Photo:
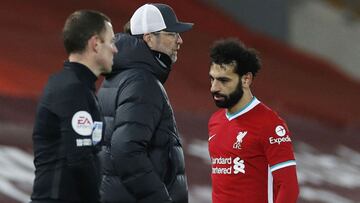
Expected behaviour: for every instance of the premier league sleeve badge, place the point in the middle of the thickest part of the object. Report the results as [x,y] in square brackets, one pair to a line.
[97,132]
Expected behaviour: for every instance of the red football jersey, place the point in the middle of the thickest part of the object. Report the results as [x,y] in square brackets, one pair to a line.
[245,148]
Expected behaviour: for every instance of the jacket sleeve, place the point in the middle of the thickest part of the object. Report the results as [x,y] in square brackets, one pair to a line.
[76,140]
[138,113]
[286,185]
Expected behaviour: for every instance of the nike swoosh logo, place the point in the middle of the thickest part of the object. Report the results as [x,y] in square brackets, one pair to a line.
[211,137]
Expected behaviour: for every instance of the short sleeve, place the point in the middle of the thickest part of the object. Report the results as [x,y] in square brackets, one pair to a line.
[278,144]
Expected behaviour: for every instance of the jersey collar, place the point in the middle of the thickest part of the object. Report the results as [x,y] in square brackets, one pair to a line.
[242,111]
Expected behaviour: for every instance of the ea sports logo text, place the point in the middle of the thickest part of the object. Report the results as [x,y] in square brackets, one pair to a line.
[82,120]
[82,123]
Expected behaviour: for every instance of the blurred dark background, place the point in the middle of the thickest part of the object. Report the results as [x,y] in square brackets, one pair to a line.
[310,76]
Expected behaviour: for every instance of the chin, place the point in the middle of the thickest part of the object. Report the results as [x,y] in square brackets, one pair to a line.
[106,70]
[220,104]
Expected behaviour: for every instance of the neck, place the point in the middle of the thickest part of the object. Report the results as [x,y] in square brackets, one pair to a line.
[84,59]
[245,99]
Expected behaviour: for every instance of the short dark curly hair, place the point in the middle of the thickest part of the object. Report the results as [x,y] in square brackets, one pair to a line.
[231,50]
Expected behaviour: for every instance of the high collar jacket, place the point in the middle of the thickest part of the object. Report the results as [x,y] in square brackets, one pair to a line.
[64,140]
[143,159]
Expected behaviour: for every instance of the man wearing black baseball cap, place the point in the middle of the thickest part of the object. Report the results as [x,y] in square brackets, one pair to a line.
[143,161]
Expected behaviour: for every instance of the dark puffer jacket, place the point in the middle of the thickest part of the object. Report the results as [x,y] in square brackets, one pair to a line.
[143,159]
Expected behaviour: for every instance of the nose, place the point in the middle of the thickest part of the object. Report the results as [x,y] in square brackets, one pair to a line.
[179,39]
[115,50]
[214,86]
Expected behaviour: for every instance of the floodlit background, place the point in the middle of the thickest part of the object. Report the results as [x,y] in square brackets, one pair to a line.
[310,76]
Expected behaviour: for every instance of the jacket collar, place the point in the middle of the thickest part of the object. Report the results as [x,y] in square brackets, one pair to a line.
[133,52]
[83,73]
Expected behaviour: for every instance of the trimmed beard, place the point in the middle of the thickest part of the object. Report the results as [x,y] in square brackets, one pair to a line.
[231,99]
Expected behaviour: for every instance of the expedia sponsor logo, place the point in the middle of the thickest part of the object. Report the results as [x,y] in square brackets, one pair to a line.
[228,165]
[279,140]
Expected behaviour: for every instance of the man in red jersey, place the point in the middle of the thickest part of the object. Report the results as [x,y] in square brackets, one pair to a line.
[250,146]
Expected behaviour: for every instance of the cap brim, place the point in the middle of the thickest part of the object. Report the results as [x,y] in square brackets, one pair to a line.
[179,27]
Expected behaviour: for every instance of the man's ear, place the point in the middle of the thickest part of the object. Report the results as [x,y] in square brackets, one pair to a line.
[93,43]
[148,39]
[247,79]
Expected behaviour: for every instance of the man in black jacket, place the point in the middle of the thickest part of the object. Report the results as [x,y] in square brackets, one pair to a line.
[143,160]
[68,124]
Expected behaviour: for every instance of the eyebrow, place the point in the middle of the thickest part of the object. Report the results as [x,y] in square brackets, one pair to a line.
[220,77]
